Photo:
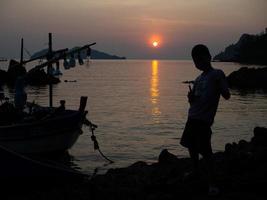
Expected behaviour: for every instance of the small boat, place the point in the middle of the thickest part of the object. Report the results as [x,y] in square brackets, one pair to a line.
[43,131]
[40,130]
[17,166]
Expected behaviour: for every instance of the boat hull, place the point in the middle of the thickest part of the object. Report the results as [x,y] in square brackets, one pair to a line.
[18,166]
[54,134]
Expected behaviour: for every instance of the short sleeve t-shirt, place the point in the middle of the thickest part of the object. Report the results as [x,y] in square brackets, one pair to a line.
[207,89]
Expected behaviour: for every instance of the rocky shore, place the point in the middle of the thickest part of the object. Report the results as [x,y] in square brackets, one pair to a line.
[248,78]
[241,173]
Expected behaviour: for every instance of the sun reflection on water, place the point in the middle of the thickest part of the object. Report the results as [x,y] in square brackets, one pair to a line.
[154,90]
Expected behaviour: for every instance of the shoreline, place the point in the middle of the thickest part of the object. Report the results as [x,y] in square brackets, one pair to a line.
[241,172]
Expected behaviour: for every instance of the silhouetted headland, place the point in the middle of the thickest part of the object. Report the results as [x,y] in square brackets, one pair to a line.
[250,49]
[241,173]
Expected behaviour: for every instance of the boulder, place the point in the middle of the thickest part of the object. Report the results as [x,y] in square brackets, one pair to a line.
[167,158]
[248,78]
[260,137]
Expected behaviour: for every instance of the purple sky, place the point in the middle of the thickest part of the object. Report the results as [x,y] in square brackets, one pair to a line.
[125,27]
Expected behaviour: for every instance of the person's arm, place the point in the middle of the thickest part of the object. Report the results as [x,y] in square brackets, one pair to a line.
[190,95]
[223,85]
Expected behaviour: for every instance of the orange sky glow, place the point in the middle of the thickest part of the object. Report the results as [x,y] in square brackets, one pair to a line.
[129,28]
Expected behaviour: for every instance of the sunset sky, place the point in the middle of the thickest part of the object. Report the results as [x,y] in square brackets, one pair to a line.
[126,27]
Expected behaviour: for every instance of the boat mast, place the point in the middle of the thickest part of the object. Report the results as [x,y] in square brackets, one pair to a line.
[49,69]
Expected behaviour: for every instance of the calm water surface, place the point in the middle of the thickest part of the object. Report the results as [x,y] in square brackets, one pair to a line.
[141,108]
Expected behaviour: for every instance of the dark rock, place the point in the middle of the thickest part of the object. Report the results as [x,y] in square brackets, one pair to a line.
[167,158]
[260,132]
[260,154]
[228,148]
[139,164]
[248,78]
[243,146]
[260,137]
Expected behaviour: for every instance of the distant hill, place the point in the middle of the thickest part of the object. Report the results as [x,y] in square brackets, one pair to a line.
[250,49]
[95,54]
[101,55]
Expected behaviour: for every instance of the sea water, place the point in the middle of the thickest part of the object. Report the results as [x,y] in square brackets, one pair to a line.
[140,107]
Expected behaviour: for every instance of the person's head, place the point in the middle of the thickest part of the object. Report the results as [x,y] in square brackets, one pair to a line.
[201,57]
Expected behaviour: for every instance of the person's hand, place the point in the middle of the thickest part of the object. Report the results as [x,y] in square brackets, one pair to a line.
[190,95]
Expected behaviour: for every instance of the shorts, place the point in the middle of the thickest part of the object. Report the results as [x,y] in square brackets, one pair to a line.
[197,136]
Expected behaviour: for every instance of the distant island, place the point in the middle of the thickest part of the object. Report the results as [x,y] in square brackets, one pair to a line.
[250,49]
[102,55]
[95,54]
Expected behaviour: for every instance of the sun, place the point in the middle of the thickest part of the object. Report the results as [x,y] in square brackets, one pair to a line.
[155,44]
[155,41]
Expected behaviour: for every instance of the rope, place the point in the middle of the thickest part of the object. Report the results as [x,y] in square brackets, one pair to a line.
[96,147]
[92,127]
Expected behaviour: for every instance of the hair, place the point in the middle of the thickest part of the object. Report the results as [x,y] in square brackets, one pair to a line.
[200,50]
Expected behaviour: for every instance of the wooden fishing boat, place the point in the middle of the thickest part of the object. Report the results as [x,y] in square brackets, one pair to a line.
[46,129]
[54,131]
[19,166]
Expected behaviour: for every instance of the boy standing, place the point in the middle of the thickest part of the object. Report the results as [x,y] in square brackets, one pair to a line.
[203,99]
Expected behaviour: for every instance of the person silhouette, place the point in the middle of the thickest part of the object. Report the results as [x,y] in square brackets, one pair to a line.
[203,99]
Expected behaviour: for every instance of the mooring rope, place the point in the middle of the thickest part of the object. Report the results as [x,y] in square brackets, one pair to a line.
[92,127]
